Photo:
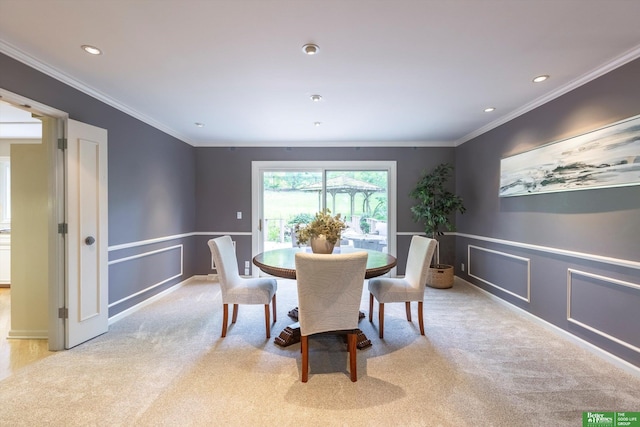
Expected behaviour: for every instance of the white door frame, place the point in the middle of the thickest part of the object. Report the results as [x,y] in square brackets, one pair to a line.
[259,167]
[52,129]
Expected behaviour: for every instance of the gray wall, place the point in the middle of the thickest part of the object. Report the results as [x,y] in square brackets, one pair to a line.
[223,187]
[592,223]
[151,183]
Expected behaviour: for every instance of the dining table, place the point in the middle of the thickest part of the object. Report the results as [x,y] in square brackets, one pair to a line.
[282,263]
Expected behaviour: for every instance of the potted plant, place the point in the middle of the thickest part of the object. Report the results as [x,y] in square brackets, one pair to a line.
[434,207]
[323,232]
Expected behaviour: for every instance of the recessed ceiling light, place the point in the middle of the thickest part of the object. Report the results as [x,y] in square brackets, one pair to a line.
[540,78]
[489,109]
[315,98]
[310,49]
[200,125]
[317,124]
[91,49]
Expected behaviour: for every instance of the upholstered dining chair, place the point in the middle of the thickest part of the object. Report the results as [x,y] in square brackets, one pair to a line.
[329,294]
[238,290]
[407,289]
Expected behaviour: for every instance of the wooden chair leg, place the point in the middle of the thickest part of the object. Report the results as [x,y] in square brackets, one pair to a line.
[407,306]
[352,340]
[304,345]
[235,313]
[420,319]
[273,301]
[370,307]
[267,320]
[381,319]
[225,319]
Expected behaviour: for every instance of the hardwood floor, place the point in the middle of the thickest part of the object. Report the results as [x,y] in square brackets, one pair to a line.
[16,353]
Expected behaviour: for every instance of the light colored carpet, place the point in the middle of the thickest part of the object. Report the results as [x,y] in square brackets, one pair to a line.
[480,363]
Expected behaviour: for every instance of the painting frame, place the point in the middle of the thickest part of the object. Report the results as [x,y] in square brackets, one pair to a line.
[602,158]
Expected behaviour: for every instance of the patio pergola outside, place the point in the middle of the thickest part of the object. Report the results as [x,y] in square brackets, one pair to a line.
[345,185]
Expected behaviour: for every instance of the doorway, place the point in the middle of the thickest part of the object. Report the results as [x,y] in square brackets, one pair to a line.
[69,202]
[25,145]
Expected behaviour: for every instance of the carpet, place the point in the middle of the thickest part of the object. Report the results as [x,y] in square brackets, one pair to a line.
[480,363]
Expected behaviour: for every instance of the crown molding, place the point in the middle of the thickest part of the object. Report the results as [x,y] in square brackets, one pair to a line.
[617,62]
[45,68]
[67,79]
[341,144]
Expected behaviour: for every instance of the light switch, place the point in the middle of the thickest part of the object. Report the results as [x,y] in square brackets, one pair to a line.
[239,215]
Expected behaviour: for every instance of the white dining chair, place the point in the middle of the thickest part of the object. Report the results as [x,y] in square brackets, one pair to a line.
[407,289]
[329,294]
[238,290]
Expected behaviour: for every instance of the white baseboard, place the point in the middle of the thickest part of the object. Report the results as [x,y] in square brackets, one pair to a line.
[28,335]
[148,301]
[611,358]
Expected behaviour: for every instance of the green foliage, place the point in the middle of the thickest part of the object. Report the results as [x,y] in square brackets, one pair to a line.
[323,223]
[364,224]
[435,203]
[301,218]
[273,233]
[380,211]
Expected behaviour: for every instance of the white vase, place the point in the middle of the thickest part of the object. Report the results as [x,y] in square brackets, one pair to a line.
[320,245]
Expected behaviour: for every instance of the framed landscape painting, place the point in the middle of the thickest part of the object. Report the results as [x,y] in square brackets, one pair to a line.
[605,157]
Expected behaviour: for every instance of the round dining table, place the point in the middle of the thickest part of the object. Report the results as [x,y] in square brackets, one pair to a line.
[282,263]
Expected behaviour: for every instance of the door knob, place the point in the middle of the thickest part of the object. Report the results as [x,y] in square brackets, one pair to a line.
[90,240]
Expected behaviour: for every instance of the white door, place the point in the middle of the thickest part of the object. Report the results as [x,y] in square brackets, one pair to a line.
[87,240]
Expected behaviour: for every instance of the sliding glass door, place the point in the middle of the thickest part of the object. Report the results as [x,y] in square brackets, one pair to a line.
[286,202]
[289,193]
[361,197]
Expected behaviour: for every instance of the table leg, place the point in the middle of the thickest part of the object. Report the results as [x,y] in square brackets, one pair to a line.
[291,334]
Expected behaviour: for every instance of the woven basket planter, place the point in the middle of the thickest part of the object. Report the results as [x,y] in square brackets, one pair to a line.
[440,276]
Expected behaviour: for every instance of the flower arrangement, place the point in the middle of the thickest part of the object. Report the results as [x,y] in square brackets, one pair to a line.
[322,224]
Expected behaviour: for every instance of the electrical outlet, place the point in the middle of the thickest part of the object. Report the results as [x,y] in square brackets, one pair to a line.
[462,266]
[239,215]
[246,271]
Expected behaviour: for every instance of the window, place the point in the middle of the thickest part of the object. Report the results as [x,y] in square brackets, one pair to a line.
[286,193]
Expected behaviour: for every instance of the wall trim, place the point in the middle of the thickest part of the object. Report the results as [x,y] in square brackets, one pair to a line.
[527,299]
[156,284]
[605,68]
[570,273]
[557,251]
[142,304]
[23,334]
[149,241]
[174,237]
[603,354]
[125,313]
[19,55]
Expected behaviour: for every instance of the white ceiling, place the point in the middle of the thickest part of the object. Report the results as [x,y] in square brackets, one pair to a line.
[391,72]
[16,123]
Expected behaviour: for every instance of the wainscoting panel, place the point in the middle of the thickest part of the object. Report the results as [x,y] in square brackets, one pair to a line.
[604,305]
[509,273]
[143,272]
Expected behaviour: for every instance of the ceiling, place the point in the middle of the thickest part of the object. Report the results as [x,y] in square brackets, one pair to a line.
[16,123]
[391,72]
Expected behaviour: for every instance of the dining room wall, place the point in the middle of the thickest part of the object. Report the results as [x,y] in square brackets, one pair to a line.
[223,187]
[571,258]
[151,188]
